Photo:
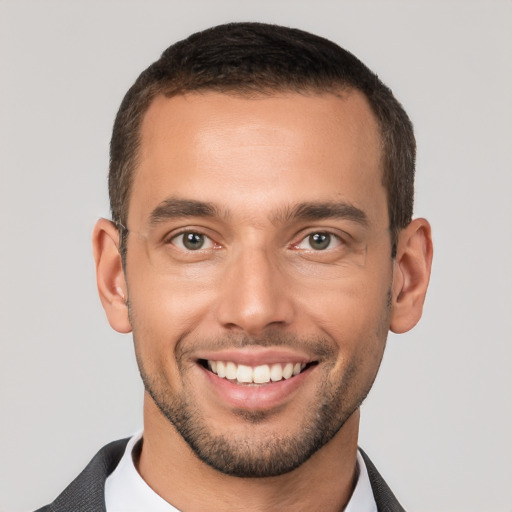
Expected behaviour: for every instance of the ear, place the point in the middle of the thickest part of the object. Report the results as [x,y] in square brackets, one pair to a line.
[110,277]
[411,275]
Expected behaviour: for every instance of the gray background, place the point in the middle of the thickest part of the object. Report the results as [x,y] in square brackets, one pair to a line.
[439,421]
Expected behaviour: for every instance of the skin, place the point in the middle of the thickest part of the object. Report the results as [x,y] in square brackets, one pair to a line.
[256,281]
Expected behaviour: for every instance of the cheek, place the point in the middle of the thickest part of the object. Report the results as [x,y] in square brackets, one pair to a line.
[162,313]
[351,305]
[355,314]
[162,298]
[166,310]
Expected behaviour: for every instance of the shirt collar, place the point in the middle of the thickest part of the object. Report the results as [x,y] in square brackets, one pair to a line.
[127,491]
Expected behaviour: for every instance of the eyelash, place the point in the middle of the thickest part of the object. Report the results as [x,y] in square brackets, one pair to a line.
[175,236]
[332,237]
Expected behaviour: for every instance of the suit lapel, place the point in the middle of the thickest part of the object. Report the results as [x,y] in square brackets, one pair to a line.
[87,492]
[384,497]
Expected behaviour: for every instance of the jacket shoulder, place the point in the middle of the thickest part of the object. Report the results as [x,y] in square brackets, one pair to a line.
[86,493]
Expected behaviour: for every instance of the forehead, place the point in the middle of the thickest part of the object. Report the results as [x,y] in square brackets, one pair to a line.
[259,152]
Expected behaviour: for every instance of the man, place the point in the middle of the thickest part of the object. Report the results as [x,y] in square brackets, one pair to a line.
[262,246]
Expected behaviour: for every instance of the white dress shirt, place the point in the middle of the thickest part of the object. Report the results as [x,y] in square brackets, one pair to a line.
[126,490]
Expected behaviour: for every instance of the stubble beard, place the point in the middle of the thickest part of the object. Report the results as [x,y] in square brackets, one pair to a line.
[272,455]
[245,456]
[268,455]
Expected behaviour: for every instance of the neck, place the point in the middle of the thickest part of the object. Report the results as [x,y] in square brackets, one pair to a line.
[174,472]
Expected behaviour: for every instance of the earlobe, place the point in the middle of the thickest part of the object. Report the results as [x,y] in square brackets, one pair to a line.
[411,275]
[110,277]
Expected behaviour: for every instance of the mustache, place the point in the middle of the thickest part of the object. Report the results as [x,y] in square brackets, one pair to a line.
[318,348]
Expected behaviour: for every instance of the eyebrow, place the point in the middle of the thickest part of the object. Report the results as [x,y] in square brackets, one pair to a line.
[323,210]
[172,208]
[175,208]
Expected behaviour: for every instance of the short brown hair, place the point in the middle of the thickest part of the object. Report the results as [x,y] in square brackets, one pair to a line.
[256,58]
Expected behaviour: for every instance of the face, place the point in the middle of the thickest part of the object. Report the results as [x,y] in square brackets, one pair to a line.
[258,271]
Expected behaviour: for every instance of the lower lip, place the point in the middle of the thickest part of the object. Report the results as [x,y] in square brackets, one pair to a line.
[257,396]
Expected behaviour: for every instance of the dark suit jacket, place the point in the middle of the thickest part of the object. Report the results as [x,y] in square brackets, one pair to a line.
[87,492]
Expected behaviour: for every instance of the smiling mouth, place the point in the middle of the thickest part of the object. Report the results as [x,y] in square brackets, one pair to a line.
[262,374]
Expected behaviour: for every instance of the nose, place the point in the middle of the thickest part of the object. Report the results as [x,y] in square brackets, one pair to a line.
[254,294]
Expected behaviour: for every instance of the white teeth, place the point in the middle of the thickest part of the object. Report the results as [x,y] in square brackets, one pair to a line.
[231,372]
[221,369]
[262,374]
[288,371]
[244,373]
[276,372]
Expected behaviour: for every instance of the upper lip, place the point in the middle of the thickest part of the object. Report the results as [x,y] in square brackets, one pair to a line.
[256,356]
